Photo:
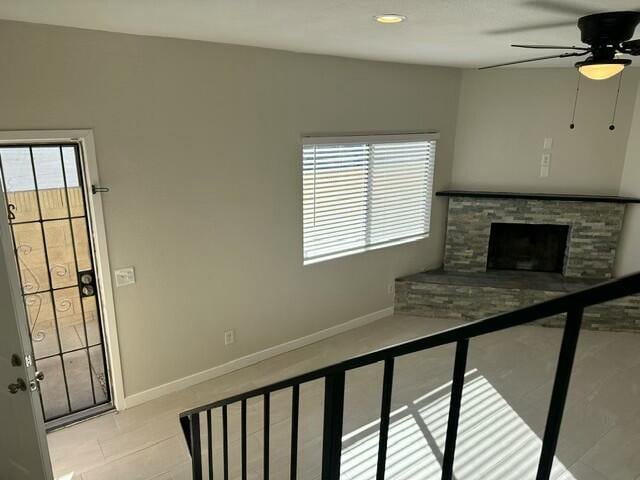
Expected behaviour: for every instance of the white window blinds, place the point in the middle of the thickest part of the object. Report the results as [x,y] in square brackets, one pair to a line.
[365,192]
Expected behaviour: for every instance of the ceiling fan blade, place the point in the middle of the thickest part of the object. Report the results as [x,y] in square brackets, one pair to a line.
[550,47]
[559,7]
[631,47]
[536,59]
[528,28]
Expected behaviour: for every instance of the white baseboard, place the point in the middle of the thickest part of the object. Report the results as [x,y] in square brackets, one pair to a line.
[203,376]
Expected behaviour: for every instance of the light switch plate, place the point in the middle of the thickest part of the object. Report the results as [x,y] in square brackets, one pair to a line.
[125,276]
[546,160]
[548,143]
[545,163]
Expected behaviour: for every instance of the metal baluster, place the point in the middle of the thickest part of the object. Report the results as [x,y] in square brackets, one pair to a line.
[454,408]
[186,430]
[225,443]
[332,428]
[267,426]
[559,393]
[209,445]
[243,439]
[295,407]
[196,452]
[385,412]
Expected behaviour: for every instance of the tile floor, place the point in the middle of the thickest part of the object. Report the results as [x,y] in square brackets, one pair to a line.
[507,388]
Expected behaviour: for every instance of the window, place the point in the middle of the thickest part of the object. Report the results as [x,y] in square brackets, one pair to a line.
[361,193]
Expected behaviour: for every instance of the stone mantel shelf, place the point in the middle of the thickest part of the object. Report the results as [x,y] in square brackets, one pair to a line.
[568,197]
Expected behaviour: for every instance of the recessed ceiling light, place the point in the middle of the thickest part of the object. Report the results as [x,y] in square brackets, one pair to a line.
[390,18]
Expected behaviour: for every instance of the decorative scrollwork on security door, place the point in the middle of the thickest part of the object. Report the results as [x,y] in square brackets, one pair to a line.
[64,305]
[30,284]
[60,271]
[34,308]
[12,216]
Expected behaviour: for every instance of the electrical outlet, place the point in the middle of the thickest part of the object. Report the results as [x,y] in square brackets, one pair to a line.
[229,337]
[548,143]
[391,288]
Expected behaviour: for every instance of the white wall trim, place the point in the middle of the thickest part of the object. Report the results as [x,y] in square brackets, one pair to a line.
[251,359]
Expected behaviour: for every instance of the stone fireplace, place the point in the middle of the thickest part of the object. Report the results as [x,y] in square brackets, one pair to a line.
[507,250]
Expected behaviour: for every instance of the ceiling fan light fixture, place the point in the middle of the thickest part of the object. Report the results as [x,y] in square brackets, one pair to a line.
[602,69]
[390,18]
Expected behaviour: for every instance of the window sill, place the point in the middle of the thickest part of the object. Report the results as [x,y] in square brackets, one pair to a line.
[368,248]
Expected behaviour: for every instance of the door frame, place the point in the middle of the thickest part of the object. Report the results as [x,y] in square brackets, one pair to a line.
[85,141]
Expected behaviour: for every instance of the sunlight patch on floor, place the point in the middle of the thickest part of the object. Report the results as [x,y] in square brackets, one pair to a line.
[68,476]
[494,442]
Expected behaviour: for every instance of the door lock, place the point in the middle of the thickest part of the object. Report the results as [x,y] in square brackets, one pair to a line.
[87,283]
[20,385]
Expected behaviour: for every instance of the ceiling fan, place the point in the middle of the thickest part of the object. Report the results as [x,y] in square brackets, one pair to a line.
[607,36]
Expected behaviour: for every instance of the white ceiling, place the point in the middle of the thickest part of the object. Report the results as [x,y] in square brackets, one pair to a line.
[466,33]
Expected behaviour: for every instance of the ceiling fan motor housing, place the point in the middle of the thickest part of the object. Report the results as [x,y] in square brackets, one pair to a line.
[608,29]
[607,35]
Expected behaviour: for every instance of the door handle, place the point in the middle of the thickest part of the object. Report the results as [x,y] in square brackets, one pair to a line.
[34,384]
[20,385]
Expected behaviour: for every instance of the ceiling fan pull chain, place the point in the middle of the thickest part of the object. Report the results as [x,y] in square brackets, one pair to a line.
[572,125]
[615,105]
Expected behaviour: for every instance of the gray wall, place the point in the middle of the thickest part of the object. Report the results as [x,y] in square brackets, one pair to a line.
[191,130]
[199,144]
[504,116]
[628,254]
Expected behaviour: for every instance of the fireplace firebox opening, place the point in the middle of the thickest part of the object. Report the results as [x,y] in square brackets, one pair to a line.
[530,247]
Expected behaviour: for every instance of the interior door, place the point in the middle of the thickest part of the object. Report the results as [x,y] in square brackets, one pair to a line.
[23,447]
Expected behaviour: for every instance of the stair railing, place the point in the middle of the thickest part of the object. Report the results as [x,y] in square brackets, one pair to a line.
[572,304]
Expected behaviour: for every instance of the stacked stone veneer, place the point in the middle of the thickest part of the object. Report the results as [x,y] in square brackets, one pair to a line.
[594,230]
[478,297]
[465,290]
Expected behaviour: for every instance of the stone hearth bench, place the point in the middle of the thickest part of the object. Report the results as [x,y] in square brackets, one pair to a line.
[472,296]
